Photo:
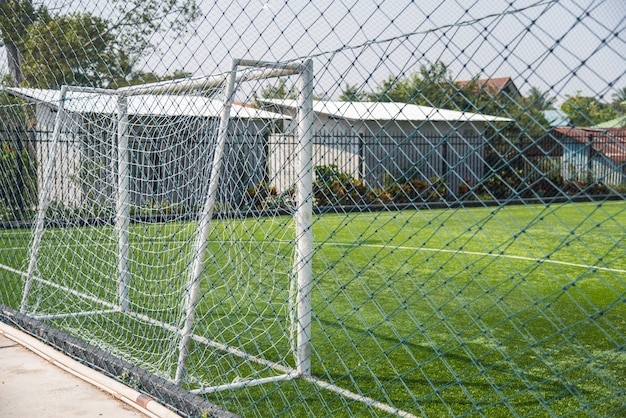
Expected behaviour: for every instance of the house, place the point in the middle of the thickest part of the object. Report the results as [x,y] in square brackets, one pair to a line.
[171,143]
[493,86]
[593,154]
[382,142]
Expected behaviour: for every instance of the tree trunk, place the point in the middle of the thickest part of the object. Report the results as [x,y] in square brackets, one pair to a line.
[13,60]
[12,28]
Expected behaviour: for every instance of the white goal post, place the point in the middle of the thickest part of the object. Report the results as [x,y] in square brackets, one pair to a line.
[117,103]
[303,218]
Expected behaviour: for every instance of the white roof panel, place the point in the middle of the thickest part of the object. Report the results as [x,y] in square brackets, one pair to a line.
[142,105]
[383,111]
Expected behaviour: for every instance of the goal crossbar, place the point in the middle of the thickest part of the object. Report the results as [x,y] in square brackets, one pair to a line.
[261,70]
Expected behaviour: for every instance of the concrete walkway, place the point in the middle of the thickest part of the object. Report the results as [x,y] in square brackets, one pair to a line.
[35,384]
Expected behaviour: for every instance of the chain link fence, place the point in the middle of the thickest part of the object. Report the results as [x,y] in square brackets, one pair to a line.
[452,192]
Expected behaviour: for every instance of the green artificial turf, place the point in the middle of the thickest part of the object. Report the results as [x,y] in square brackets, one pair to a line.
[497,311]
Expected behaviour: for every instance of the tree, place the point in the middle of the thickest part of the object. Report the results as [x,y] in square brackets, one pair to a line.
[539,100]
[434,86]
[587,111]
[15,18]
[430,86]
[76,49]
[619,100]
[128,38]
[140,20]
[619,96]
[279,90]
[352,93]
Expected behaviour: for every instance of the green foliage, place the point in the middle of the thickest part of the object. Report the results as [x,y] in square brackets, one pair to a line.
[77,49]
[85,49]
[587,111]
[279,90]
[139,20]
[18,184]
[264,197]
[15,17]
[619,99]
[13,114]
[159,208]
[353,94]
[431,86]
[539,100]
[512,183]
[334,187]
[416,190]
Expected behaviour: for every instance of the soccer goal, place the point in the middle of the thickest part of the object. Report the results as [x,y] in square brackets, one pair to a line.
[166,232]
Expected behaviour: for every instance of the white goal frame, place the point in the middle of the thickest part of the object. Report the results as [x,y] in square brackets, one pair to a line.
[242,70]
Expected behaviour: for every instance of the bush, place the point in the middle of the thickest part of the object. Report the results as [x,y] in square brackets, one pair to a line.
[263,197]
[334,187]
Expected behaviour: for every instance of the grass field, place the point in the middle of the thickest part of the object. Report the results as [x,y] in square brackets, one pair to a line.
[497,311]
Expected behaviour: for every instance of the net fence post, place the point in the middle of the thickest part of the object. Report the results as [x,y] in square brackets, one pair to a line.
[193,287]
[44,197]
[304,220]
[122,218]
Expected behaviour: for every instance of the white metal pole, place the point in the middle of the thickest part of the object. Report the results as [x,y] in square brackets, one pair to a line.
[122,218]
[193,288]
[44,197]
[304,220]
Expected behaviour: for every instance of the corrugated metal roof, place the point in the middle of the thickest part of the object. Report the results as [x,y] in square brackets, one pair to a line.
[383,111]
[610,142]
[141,105]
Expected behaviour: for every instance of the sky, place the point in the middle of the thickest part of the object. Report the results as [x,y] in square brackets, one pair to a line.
[558,46]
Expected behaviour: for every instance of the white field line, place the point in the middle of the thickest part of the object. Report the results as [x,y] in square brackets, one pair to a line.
[406,248]
[403,248]
[481,254]
[57,286]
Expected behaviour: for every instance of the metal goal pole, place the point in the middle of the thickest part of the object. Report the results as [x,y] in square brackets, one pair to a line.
[304,220]
[44,200]
[122,218]
[193,287]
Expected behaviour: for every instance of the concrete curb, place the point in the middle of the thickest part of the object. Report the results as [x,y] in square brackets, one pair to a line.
[142,403]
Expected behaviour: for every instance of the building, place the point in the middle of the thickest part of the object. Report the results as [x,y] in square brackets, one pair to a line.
[593,154]
[556,118]
[493,86]
[382,142]
[171,140]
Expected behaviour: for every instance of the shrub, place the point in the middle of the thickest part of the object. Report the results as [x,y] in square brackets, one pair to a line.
[334,187]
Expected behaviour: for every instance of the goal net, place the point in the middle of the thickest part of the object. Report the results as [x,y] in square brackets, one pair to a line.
[172,230]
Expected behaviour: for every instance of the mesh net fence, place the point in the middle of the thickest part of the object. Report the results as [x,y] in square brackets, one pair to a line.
[433,225]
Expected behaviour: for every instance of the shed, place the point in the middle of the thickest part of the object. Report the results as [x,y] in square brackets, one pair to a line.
[492,86]
[593,154]
[382,142]
[171,147]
